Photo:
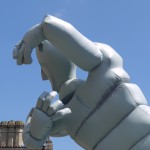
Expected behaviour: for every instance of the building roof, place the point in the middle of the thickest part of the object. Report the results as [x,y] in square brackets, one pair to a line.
[11,124]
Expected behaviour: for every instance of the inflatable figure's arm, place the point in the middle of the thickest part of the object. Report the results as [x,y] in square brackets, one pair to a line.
[44,120]
[76,47]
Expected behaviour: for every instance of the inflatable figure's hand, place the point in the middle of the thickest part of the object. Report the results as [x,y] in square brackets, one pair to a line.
[22,51]
[28,139]
[41,119]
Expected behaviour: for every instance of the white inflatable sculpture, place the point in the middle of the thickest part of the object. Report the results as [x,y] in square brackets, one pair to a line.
[104,112]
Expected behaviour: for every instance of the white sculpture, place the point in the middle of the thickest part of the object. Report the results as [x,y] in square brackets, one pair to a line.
[104,112]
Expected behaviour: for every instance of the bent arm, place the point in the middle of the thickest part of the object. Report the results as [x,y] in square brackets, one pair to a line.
[76,47]
[71,43]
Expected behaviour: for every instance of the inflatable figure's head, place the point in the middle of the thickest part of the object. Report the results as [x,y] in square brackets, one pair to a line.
[54,66]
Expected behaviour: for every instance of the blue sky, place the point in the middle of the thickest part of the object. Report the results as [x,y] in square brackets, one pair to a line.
[123,24]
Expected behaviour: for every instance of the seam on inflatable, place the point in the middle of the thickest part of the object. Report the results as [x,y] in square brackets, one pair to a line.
[134,100]
[138,141]
[42,29]
[96,66]
[136,103]
[100,103]
[113,128]
[121,119]
[117,125]
[84,104]
[143,110]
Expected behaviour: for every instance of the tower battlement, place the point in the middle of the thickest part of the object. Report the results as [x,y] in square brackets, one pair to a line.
[11,133]
[11,136]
